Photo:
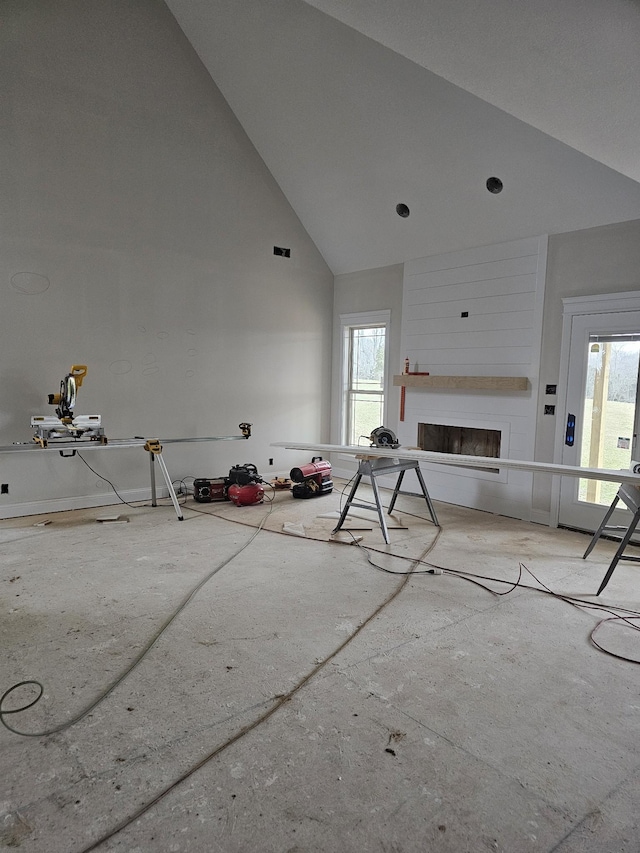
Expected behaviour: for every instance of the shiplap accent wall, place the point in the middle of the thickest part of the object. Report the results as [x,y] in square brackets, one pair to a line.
[502,288]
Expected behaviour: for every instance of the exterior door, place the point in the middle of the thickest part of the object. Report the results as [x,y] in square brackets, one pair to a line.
[601,419]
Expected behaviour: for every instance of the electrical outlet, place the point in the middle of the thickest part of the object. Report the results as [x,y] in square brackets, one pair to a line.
[4,489]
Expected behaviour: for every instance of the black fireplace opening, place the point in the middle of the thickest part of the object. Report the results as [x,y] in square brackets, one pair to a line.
[464,440]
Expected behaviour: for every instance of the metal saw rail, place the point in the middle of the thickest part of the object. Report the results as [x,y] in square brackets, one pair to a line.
[68,448]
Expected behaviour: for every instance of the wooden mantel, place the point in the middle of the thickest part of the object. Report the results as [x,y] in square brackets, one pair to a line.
[462,383]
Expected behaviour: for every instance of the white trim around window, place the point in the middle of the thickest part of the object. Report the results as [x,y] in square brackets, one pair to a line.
[350,321]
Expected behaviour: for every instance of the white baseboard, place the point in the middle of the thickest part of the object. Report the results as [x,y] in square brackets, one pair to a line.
[539,516]
[79,502]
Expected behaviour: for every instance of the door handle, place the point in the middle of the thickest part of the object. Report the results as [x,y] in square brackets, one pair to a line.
[569,436]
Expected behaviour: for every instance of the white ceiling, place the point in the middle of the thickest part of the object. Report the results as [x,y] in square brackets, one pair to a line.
[570,68]
[357,105]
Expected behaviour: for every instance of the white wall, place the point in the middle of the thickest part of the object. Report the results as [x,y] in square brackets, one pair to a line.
[501,290]
[368,290]
[579,263]
[138,227]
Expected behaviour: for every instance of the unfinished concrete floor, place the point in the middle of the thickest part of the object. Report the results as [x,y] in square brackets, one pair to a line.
[454,721]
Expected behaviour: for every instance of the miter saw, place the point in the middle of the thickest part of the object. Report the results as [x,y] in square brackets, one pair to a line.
[66,426]
[383,437]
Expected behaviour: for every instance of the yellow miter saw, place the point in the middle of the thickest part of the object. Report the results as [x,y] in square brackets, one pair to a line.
[66,426]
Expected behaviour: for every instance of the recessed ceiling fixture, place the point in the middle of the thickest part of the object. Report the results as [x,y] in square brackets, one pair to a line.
[402,210]
[494,185]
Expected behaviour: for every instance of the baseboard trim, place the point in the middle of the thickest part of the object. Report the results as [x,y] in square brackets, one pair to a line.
[539,516]
[79,502]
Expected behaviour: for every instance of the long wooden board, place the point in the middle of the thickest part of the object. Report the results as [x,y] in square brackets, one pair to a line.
[457,383]
[606,474]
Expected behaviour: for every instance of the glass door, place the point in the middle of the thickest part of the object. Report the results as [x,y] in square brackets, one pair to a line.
[602,413]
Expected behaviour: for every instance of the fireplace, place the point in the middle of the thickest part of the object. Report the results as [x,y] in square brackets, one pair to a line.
[465,440]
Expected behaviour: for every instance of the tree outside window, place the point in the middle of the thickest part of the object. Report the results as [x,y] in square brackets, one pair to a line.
[364,403]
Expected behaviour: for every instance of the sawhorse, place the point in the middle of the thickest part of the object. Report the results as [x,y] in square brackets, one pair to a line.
[374,467]
[630,497]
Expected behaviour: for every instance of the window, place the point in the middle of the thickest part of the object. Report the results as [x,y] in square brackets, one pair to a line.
[364,364]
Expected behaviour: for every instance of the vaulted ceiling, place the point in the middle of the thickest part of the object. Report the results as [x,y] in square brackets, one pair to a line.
[357,106]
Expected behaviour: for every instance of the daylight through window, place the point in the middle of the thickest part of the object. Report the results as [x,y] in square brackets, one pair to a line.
[365,373]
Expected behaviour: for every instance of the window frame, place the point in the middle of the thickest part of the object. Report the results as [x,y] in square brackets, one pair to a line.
[348,322]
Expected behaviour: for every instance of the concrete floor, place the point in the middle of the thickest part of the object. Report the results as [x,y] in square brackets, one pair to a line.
[454,721]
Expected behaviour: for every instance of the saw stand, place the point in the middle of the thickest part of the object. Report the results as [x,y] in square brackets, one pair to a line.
[374,467]
[155,455]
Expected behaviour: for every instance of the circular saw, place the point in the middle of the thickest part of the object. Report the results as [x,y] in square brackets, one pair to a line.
[383,437]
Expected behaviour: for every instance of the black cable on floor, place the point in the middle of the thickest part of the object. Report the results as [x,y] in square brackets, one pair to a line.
[471,577]
[279,701]
[617,614]
[137,660]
